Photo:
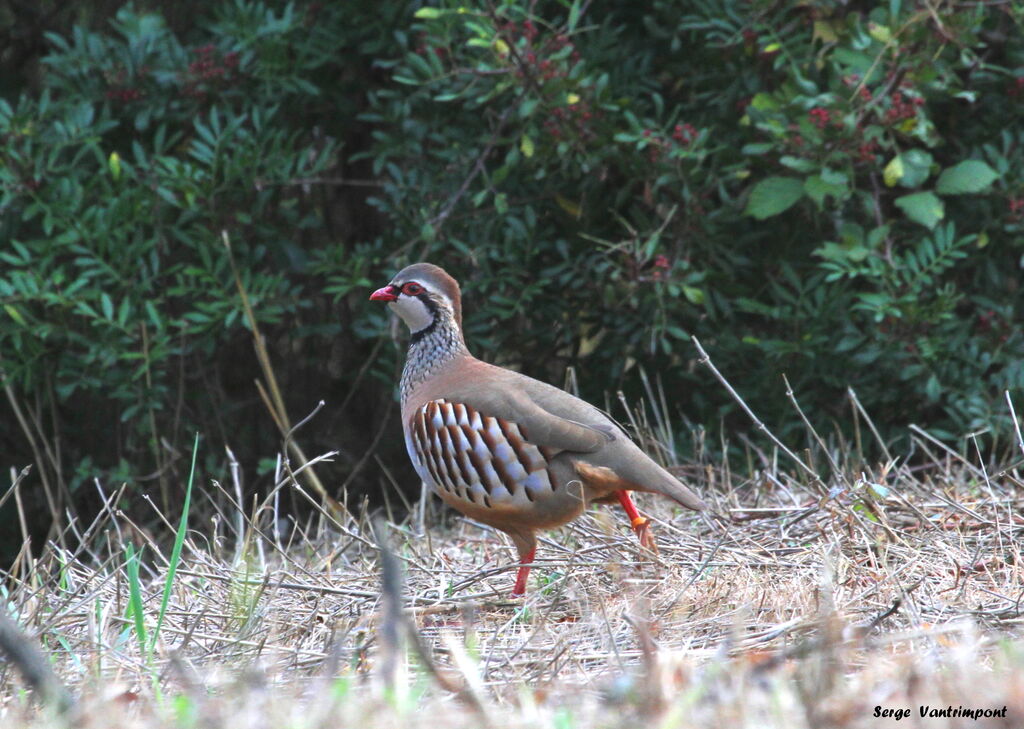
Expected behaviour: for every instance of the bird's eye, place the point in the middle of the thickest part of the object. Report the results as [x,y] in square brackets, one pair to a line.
[412,289]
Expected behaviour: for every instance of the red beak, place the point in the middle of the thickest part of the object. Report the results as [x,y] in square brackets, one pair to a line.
[387,293]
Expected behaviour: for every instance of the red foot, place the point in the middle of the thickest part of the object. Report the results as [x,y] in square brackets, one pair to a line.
[524,571]
[641,525]
[646,536]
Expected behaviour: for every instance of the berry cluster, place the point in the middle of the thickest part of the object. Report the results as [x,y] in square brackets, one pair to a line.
[209,71]
[903,105]
[866,152]
[423,49]
[546,62]
[1015,206]
[902,108]
[989,322]
[661,267]
[682,136]
[121,90]
[123,94]
[537,59]
[820,117]
[851,80]
[684,133]
[548,68]
[573,119]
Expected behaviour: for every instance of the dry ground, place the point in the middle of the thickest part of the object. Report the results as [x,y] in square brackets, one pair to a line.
[805,605]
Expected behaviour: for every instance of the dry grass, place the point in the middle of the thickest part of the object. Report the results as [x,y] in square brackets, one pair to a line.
[796,609]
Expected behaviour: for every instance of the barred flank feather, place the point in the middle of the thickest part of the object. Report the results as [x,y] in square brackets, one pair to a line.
[477,457]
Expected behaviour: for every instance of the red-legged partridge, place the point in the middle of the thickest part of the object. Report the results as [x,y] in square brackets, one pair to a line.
[501,447]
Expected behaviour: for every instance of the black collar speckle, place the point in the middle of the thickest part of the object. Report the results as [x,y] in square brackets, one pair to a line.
[435,316]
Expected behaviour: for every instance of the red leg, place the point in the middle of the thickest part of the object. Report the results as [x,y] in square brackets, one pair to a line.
[524,571]
[641,525]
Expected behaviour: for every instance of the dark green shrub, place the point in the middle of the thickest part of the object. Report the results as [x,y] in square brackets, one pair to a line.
[831,193]
[116,183]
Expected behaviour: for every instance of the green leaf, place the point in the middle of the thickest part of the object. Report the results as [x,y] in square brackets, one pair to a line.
[773,195]
[855,61]
[967,177]
[917,167]
[574,15]
[909,169]
[922,207]
[798,164]
[817,189]
[877,235]
[764,102]
[14,314]
[832,251]
[851,234]
[834,177]
[428,13]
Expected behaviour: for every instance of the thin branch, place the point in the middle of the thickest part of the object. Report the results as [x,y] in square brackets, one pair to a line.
[705,359]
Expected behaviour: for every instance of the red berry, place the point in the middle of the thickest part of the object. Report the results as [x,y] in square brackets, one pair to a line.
[820,117]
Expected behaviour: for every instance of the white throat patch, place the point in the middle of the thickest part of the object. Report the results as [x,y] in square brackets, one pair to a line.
[414,312]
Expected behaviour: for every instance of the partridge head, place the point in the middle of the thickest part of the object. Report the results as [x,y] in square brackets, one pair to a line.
[500,447]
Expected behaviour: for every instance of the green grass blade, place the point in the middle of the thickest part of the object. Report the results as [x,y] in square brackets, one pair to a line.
[135,594]
[179,540]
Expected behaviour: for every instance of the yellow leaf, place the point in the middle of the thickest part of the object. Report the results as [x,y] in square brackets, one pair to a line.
[880,33]
[893,171]
[501,47]
[568,206]
[772,47]
[825,32]
[982,239]
[14,314]
[114,164]
[573,99]
[526,146]
[764,102]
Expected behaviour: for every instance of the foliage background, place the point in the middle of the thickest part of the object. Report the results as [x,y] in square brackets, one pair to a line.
[829,190]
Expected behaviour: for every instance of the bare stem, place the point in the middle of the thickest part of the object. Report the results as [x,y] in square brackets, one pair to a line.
[705,359]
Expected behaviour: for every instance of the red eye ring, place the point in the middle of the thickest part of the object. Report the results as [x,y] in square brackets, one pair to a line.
[412,289]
